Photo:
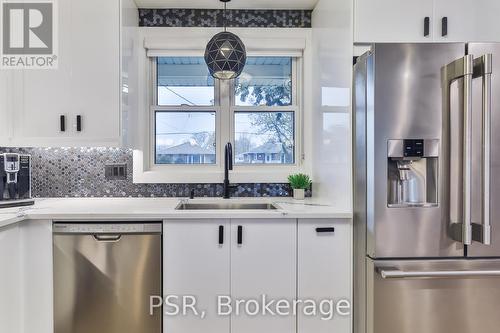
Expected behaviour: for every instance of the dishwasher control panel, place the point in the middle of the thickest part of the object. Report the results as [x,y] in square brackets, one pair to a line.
[106,228]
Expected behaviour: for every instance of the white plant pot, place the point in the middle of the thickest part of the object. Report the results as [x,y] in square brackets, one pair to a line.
[298,194]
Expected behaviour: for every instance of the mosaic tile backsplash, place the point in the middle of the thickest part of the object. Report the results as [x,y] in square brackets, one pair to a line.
[80,172]
[215,18]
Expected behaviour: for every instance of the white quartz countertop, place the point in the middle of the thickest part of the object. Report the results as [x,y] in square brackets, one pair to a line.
[127,209]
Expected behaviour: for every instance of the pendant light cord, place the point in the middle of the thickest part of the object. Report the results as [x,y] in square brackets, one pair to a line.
[225,3]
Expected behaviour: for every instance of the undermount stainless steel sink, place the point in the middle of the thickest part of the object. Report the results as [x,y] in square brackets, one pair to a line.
[225,205]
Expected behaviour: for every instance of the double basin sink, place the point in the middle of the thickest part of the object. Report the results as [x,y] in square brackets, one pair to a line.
[186,205]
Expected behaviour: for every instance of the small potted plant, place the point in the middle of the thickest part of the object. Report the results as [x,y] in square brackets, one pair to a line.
[299,182]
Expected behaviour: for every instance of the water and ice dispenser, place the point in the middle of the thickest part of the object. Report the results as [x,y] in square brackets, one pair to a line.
[412,175]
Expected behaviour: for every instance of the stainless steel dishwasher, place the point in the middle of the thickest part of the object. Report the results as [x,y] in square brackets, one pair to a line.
[104,275]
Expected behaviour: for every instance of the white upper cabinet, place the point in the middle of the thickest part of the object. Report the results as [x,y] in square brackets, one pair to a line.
[84,89]
[392,20]
[467,21]
[5,105]
[406,21]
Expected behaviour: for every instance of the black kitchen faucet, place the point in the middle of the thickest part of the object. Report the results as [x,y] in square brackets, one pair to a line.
[228,165]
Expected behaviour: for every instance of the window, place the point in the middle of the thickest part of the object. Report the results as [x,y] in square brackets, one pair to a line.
[183,81]
[265,81]
[195,115]
[264,137]
[264,119]
[185,137]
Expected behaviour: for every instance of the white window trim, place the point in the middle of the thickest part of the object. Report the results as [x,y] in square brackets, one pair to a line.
[145,171]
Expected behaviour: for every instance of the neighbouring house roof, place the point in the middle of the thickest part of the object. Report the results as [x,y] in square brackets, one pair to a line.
[185,148]
[266,148]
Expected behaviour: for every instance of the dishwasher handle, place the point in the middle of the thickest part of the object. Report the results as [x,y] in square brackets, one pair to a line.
[107,238]
[398,274]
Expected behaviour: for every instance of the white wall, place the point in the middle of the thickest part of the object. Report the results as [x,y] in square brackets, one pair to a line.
[333,51]
[182,41]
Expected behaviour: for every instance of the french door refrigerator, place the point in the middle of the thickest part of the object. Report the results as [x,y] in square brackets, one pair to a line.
[427,188]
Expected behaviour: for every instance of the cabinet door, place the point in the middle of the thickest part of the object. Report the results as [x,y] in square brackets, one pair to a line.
[85,83]
[7,94]
[10,280]
[46,92]
[392,20]
[37,276]
[264,263]
[26,277]
[468,21]
[195,264]
[96,68]
[324,271]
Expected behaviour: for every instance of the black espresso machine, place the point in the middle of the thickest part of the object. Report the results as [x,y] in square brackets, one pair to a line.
[15,180]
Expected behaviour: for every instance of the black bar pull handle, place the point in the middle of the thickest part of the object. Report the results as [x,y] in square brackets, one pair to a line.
[78,123]
[427,25]
[326,229]
[444,26]
[221,235]
[62,123]
[240,235]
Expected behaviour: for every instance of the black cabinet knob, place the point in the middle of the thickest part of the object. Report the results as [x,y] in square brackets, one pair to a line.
[325,230]
[427,24]
[444,26]
[240,235]
[62,123]
[78,123]
[221,235]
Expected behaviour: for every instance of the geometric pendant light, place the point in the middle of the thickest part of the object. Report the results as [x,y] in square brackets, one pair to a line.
[225,54]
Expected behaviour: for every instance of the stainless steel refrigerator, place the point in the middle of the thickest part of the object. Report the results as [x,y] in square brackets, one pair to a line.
[427,188]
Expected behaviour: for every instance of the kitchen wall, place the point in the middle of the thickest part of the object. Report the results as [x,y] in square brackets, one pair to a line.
[333,48]
[79,172]
[74,172]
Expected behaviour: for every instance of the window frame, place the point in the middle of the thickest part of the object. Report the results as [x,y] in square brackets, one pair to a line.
[154,108]
[224,102]
[293,107]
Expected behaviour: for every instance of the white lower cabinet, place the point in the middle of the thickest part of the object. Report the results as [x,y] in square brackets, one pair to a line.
[244,259]
[37,276]
[324,273]
[263,262]
[10,279]
[26,291]
[283,259]
[196,263]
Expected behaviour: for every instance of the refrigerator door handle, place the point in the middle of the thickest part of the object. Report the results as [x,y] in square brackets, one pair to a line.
[398,274]
[483,68]
[463,68]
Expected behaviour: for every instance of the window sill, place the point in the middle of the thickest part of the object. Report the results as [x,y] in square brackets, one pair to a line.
[209,174]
